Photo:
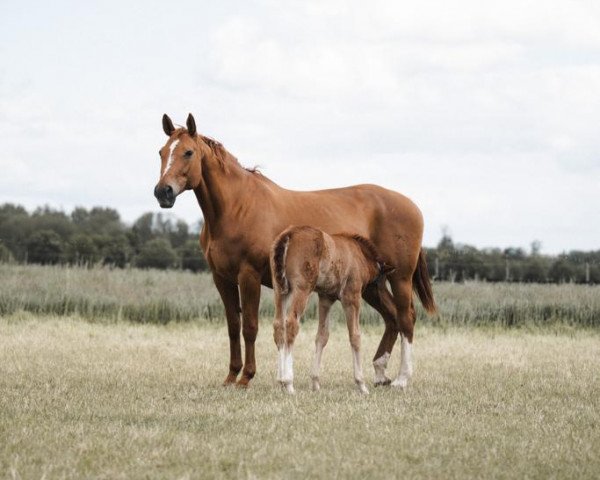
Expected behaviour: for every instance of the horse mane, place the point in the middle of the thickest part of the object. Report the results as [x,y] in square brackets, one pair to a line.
[368,248]
[224,157]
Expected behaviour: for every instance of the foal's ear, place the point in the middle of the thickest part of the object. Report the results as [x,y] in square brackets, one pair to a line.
[385,268]
[168,125]
[191,125]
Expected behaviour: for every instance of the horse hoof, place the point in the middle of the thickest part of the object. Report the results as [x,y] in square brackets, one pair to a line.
[230,380]
[363,389]
[287,387]
[400,383]
[383,383]
[243,383]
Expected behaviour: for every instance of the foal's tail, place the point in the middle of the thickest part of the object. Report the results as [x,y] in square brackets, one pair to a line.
[422,284]
[278,254]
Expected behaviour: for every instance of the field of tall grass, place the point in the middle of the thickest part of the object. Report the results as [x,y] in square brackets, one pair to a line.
[151,296]
[117,374]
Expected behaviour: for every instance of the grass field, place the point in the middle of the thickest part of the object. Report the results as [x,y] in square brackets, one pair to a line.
[102,294]
[123,400]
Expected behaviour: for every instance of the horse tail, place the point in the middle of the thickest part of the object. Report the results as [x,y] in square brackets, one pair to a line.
[422,284]
[278,256]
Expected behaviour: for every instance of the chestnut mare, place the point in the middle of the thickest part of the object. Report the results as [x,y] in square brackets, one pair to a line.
[337,267]
[243,213]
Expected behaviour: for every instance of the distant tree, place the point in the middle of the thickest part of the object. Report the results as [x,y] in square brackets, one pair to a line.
[514,253]
[6,255]
[15,228]
[192,257]
[179,234]
[81,249]
[46,218]
[156,253]
[534,271]
[113,250]
[536,248]
[561,271]
[46,247]
[98,221]
[141,231]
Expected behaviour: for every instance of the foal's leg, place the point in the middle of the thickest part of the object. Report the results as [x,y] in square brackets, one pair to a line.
[231,300]
[296,307]
[321,339]
[352,308]
[403,298]
[379,297]
[279,329]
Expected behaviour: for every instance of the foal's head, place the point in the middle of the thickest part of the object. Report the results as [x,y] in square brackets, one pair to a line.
[180,160]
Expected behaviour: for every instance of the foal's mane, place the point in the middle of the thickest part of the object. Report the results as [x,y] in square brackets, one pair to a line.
[224,157]
[367,247]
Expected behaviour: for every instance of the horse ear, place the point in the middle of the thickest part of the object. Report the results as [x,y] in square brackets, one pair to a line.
[191,125]
[167,125]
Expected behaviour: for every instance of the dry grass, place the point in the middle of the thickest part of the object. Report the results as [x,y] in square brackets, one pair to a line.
[89,400]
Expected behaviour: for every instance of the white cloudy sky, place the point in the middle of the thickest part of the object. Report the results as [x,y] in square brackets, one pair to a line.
[486,114]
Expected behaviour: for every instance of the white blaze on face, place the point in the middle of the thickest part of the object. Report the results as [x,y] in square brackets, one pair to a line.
[170,159]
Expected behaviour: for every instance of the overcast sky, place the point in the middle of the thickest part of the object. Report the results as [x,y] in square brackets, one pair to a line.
[486,114]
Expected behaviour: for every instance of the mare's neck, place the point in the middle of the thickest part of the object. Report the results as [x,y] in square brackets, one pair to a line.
[223,190]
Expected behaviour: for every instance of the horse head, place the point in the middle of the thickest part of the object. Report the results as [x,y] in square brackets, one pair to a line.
[181,161]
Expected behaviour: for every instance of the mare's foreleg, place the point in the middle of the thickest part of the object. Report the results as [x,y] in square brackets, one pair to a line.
[321,339]
[249,280]
[231,300]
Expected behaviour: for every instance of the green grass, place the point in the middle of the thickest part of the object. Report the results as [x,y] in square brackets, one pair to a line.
[123,400]
[162,297]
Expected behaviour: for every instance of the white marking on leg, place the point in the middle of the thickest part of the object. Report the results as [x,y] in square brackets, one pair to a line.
[280,364]
[316,386]
[406,365]
[171,159]
[380,365]
[287,379]
[358,374]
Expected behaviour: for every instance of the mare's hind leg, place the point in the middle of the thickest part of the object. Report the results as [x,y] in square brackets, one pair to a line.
[296,307]
[379,297]
[403,298]
[321,339]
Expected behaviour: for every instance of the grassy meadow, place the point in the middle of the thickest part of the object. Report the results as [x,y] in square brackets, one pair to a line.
[88,400]
[152,296]
[117,374]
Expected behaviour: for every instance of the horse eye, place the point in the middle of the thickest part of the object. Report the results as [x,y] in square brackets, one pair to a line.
[188,153]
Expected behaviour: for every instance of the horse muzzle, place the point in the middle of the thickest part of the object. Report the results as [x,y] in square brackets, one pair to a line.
[165,195]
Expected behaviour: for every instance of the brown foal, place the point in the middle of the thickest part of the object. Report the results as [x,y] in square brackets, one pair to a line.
[337,267]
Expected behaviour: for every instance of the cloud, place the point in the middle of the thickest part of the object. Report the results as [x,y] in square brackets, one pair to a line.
[485,114]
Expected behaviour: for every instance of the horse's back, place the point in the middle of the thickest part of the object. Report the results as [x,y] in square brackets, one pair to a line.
[387,218]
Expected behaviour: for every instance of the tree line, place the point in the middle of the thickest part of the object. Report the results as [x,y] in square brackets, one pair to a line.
[459,262]
[98,236]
